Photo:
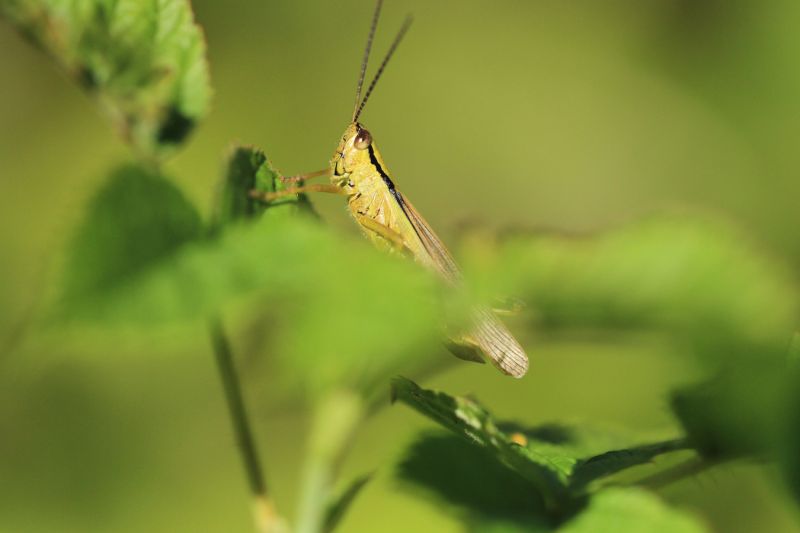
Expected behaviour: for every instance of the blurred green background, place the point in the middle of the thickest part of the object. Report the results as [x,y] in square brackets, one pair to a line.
[577,116]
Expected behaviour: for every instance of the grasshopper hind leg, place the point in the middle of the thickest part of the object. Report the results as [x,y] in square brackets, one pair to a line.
[466,351]
[488,336]
[377,229]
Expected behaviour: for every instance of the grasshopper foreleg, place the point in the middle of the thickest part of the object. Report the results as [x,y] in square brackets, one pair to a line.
[319,187]
[326,172]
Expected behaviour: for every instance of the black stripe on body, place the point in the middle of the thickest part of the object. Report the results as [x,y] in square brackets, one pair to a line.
[418,228]
[374,160]
[390,185]
[399,199]
[396,194]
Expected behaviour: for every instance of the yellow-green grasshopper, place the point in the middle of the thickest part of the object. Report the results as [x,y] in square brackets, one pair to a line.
[387,217]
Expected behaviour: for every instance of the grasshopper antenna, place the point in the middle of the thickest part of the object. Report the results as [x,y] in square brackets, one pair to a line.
[364,61]
[400,35]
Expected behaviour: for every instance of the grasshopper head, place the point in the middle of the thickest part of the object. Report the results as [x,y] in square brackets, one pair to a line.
[353,150]
[356,149]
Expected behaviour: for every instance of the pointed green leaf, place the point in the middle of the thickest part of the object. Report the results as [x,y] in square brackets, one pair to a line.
[249,170]
[546,467]
[611,462]
[136,221]
[558,461]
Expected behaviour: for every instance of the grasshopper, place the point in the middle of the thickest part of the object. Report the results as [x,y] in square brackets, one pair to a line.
[358,172]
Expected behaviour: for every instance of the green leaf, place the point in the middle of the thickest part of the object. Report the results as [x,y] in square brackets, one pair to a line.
[611,462]
[326,301]
[693,278]
[547,468]
[145,61]
[336,312]
[249,170]
[137,220]
[468,477]
[740,411]
[332,315]
[489,496]
[558,461]
[339,506]
[631,511]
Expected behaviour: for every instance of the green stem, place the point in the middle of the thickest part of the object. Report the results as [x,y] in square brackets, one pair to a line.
[335,420]
[264,512]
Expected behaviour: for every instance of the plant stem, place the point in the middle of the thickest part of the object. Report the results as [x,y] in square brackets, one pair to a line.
[335,419]
[265,515]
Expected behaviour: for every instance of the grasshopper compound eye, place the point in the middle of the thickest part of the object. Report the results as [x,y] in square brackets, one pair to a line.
[363,140]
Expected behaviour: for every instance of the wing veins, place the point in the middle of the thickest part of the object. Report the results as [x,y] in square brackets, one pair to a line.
[438,255]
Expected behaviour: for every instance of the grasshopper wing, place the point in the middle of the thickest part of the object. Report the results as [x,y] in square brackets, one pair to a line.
[436,255]
[486,333]
[492,338]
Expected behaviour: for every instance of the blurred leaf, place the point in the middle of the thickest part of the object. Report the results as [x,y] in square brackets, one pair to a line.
[341,504]
[330,314]
[790,437]
[747,409]
[470,478]
[631,511]
[693,278]
[249,170]
[614,510]
[741,411]
[794,350]
[558,461]
[503,526]
[137,220]
[144,60]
